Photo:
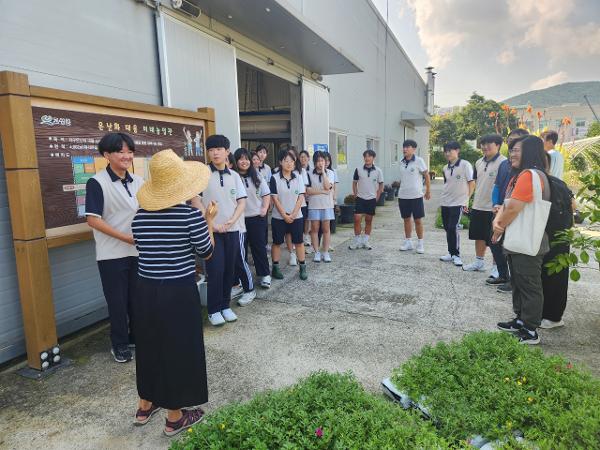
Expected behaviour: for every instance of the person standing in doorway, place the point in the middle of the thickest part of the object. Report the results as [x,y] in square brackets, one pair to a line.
[413,171]
[110,205]
[481,214]
[226,189]
[367,187]
[458,187]
[264,169]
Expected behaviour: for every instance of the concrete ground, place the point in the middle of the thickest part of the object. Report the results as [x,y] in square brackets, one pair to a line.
[367,312]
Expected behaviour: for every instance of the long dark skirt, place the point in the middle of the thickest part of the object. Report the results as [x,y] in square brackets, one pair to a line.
[170,363]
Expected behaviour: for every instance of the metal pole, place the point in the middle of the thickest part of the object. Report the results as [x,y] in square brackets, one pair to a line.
[590,105]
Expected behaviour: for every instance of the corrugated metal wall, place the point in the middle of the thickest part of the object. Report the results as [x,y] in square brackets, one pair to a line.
[103,48]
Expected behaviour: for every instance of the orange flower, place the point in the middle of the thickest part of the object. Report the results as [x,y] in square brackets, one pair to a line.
[505,107]
[529,109]
[513,111]
[492,114]
[539,115]
[566,121]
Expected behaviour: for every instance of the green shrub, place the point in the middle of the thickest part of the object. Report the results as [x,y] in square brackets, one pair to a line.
[464,220]
[332,404]
[488,384]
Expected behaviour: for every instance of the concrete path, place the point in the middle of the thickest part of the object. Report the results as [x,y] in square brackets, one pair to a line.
[367,312]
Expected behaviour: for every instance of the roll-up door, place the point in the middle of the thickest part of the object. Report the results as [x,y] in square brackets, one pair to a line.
[315,114]
[201,71]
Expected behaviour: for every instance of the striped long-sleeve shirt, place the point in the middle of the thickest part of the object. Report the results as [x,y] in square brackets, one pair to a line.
[168,241]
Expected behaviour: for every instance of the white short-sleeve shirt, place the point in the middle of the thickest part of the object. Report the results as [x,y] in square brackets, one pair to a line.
[411,177]
[287,191]
[320,201]
[367,181]
[225,187]
[255,195]
[456,183]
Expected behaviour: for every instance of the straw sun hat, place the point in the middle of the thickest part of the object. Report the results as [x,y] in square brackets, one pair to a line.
[172,181]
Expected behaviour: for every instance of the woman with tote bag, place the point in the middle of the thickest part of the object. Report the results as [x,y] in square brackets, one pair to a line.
[522,223]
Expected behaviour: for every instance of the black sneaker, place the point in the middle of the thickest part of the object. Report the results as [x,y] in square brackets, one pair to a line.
[529,337]
[121,353]
[512,326]
[505,288]
[491,281]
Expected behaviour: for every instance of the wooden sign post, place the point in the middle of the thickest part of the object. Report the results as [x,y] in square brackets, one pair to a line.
[49,141]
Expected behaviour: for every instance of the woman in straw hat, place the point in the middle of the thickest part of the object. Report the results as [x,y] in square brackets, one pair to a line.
[171,369]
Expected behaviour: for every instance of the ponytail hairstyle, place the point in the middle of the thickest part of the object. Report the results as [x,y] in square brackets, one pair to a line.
[251,172]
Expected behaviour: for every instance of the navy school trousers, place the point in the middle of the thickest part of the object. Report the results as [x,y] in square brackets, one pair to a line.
[220,270]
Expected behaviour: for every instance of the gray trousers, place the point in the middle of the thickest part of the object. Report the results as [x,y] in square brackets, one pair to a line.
[527,293]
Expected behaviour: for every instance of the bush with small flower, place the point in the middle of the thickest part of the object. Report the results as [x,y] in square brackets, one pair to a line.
[490,385]
[323,411]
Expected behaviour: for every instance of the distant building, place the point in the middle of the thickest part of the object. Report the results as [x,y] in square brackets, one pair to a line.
[580,116]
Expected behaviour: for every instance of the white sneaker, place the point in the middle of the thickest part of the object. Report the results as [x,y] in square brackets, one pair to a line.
[308,250]
[216,319]
[317,257]
[420,247]
[307,241]
[246,298]
[366,244]
[494,272]
[547,324]
[406,246]
[236,291]
[326,257]
[293,260]
[229,315]
[457,261]
[446,258]
[266,282]
[356,243]
[476,266]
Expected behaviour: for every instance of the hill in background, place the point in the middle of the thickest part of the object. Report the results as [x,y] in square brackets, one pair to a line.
[559,95]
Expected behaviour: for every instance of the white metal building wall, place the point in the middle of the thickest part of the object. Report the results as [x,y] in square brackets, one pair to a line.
[103,48]
[202,72]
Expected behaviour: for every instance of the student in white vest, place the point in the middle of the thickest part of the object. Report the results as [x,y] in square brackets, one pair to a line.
[110,206]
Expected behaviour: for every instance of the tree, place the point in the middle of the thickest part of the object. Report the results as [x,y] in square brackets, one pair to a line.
[593,130]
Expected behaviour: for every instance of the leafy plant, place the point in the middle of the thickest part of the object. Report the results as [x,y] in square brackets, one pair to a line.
[584,245]
[323,411]
[349,199]
[488,384]
[464,220]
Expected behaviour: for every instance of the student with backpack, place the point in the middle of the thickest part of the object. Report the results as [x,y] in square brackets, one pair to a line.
[556,286]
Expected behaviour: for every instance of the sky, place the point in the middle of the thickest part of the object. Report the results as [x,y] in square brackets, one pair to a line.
[498,48]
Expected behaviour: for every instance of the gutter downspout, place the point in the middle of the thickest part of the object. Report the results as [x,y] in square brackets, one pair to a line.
[161,48]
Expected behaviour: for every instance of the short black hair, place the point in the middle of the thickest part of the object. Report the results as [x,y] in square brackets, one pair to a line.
[409,143]
[514,135]
[113,142]
[452,145]
[550,135]
[370,152]
[514,141]
[491,139]
[533,155]
[304,152]
[231,160]
[216,141]
[260,147]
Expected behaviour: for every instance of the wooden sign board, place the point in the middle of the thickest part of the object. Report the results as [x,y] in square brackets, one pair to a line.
[49,141]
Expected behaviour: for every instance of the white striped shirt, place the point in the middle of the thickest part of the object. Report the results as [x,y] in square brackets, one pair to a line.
[169,240]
